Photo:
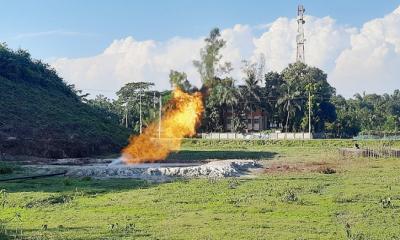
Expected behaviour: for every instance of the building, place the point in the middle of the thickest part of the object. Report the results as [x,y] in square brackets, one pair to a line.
[256,121]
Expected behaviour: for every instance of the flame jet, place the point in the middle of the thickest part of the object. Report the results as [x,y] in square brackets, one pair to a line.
[180,119]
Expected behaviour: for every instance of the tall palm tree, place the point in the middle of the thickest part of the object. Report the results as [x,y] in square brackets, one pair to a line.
[228,95]
[290,101]
[251,91]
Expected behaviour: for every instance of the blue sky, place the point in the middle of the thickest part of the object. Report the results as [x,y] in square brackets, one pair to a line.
[71,28]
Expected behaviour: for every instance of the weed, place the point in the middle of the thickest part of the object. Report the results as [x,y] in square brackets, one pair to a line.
[317,189]
[3,194]
[347,199]
[212,180]
[125,229]
[67,182]
[386,203]
[52,200]
[348,230]
[327,170]
[290,196]
[266,210]
[86,179]
[6,170]
[233,183]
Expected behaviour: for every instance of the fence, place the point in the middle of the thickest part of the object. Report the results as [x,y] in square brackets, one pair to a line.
[384,135]
[249,136]
[371,152]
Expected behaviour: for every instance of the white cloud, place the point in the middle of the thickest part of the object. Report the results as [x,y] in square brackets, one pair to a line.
[128,60]
[355,59]
[371,63]
[324,42]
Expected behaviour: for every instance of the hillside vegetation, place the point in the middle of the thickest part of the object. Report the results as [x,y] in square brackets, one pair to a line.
[42,116]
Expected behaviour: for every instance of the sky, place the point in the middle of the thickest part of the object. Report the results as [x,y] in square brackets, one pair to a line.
[100,45]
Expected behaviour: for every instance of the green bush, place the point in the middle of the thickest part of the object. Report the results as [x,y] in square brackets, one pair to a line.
[6,170]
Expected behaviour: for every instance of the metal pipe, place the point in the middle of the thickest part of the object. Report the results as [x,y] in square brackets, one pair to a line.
[34,176]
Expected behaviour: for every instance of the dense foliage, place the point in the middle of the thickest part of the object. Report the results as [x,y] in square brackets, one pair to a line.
[286,98]
[283,97]
[40,115]
[369,113]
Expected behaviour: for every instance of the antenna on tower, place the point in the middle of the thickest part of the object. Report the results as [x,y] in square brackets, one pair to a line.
[300,34]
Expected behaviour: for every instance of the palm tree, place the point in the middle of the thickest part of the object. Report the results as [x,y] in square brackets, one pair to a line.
[251,91]
[290,101]
[228,95]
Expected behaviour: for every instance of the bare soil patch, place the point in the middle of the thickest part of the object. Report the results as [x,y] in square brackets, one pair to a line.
[282,167]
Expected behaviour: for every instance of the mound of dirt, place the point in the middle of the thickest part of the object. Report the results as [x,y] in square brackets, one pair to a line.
[159,171]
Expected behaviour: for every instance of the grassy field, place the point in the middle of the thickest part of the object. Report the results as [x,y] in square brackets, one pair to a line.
[304,192]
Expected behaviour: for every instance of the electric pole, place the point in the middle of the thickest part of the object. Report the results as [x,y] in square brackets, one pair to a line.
[154,105]
[140,112]
[159,120]
[309,111]
[126,115]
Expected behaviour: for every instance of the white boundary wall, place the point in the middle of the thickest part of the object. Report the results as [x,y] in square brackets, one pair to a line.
[272,136]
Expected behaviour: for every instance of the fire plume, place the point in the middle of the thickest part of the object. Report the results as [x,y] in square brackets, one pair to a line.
[181,118]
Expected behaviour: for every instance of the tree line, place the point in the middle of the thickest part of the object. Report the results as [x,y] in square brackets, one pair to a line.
[285,97]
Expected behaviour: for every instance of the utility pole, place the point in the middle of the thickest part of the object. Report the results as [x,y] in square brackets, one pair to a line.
[309,112]
[154,105]
[140,112]
[159,120]
[126,115]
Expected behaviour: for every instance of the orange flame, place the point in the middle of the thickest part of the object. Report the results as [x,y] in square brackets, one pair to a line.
[180,120]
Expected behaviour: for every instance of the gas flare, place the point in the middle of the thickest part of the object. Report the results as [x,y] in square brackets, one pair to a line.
[181,119]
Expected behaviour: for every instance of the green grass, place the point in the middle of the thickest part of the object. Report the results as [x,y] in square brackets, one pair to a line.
[198,143]
[352,203]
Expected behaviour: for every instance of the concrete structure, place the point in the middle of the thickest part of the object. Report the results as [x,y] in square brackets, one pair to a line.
[256,121]
[255,136]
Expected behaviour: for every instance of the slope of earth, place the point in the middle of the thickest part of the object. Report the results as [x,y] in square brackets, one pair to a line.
[42,116]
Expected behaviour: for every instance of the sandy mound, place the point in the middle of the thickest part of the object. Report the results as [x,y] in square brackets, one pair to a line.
[223,168]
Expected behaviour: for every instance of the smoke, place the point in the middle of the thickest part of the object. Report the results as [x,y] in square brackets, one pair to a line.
[181,118]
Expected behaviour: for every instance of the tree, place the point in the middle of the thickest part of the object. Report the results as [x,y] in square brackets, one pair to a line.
[210,57]
[272,93]
[107,107]
[81,96]
[300,82]
[251,90]
[179,79]
[132,98]
[211,73]
[229,97]
[371,113]
[346,124]
[290,101]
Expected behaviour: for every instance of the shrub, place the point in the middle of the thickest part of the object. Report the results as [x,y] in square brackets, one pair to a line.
[290,196]
[6,170]
[327,170]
